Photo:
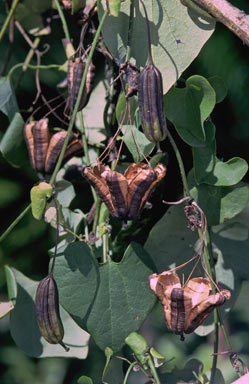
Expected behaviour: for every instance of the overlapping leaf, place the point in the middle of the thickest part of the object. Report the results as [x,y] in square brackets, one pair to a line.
[177,35]
[110,303]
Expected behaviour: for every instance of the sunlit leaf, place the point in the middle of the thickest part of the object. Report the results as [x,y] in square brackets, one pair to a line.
[110,304]
[177,36]
[188,108]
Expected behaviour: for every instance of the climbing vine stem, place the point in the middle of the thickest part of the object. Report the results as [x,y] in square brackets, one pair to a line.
[70,127]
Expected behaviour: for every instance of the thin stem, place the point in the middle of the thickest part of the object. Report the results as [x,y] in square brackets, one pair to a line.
[96,215]
[7,21]
[31,53]
[129,371]
[63,20]
[180,164]
[85,147]
[105,239]
[78,99]
[32,67]
[130,30]
[57,235]
[14,223]
[148,33]
[28,59]
[207,259]
[153,370]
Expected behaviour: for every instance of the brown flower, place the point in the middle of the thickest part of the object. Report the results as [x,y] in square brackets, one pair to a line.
[124,195]
[185,308]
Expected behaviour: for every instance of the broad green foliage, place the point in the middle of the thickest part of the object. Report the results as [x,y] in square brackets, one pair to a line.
[111,300]
[188,108]
[177,36]
[8,103]
[24,328]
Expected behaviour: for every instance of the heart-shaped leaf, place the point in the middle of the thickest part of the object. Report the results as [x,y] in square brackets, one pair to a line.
[123,298]
[188,108]
[24,328]
[177,36]
[77,277]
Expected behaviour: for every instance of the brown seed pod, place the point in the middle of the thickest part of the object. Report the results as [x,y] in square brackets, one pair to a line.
[76,67]
[185,308]
[48,312]
[44,148]
[55,145]
[37,138]
[151,105]
[150,97]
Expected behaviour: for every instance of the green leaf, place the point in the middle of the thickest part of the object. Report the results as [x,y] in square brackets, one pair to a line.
[219,86]
[111,304]
[170,242]
[188,108]
[84,380]
[177,36]
[114,7]
[8,103]
[12,145]
[137,143]
[123,300]
[11,284]
[24,328]
[65,192]
[229,173]
[220,203]
[77,277]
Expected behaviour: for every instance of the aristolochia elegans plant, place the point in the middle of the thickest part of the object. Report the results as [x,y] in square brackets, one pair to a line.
[102,282]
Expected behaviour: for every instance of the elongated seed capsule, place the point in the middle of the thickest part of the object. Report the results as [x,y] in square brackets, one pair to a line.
[29,139]
[76,67]
[41,136]
[47,312]
[151,105]
[74,147]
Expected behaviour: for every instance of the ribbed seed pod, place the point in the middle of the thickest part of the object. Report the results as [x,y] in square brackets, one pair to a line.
[37,137]
[151,105]
[76,67]
[41,136]
[47,312]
